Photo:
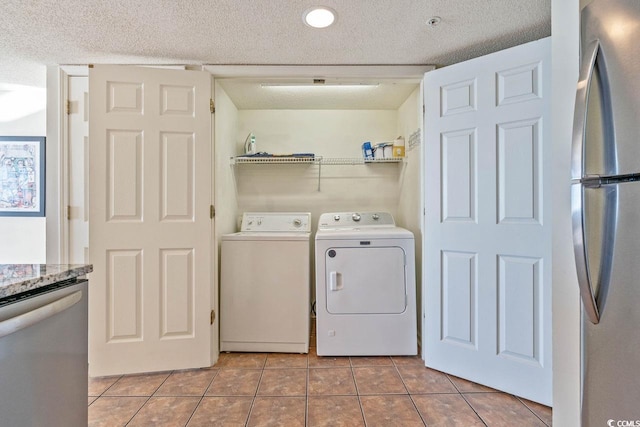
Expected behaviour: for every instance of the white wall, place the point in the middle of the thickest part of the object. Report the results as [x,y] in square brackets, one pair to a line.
[566,303]
[410,203]
[31,125]
[224,191]
[225,135]
[328,133]
[23,240]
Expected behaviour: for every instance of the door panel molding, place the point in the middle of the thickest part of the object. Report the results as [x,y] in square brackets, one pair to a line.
[487,245]
[151,190]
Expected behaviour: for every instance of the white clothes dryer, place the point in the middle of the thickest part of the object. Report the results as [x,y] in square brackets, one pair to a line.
[365,286]
[264,284]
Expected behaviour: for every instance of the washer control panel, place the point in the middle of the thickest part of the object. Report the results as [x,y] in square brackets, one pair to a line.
[276,221]
[355,220]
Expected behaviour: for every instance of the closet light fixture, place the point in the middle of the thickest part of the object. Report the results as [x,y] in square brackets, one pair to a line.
[323,85]
[319,17]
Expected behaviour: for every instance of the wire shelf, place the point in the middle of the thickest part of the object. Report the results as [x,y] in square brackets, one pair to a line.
[357,160]
[274,160]
[317,160]
[312,160]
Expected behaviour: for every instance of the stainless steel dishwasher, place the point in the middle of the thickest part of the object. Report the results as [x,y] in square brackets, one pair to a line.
[43,357]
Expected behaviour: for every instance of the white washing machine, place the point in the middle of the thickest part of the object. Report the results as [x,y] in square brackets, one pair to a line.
[264,284]
[365,286]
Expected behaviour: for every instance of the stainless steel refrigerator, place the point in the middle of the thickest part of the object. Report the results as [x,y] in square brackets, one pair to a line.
[606,211]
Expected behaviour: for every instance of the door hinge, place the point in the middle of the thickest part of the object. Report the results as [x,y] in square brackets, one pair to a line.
[423,109]
[212,106]
[68,107]
[213,316]
[212,211]
[68,211]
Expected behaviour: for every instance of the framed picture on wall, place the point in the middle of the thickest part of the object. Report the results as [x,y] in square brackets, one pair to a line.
[22,174]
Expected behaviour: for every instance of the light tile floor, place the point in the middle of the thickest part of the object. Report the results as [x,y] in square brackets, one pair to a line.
[268,389]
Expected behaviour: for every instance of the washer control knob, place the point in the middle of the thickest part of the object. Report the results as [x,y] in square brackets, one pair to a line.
[375,217]
[297,222]
[336,217]
[355,217]
[259,221]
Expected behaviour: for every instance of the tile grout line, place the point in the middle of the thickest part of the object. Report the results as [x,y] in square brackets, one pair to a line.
[255,393]
[395,365]
[148,398]
[204,393]
[532,411]
[465,399]
[306,397]
[464,396]
[355,383]
[105,390]
[473,409]
[410,395]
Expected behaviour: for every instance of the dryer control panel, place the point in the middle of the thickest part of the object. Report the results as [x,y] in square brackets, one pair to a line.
[355,220]
[276,221]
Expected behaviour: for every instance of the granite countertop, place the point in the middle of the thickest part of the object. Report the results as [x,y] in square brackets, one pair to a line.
[18,278]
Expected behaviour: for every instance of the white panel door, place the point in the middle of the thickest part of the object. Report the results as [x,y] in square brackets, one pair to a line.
[487,245]
[150,192]
[78,167]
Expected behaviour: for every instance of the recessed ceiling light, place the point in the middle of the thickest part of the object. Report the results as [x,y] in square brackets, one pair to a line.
[319,17]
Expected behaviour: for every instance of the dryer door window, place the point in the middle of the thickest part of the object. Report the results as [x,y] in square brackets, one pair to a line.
[365,280]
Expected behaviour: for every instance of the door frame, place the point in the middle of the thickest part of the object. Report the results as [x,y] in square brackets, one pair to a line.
[58,168]
[405,73]
[66,72]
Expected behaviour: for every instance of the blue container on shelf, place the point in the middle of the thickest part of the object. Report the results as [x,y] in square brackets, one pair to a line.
[367,151]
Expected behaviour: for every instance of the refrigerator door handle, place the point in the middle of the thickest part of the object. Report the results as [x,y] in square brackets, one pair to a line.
[32,317]
[580,253]
[580,110]
[587,68]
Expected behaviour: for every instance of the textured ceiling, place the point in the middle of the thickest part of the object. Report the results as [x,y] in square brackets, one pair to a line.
[257,32]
